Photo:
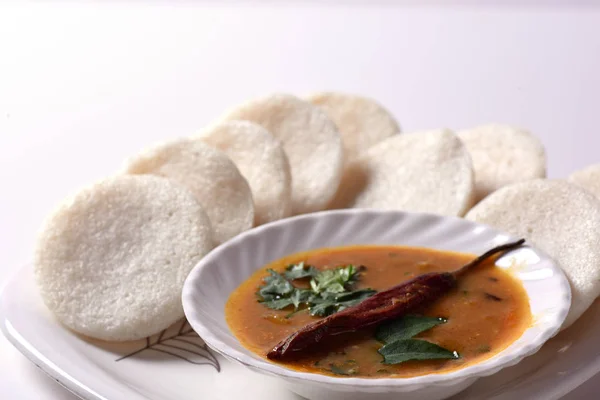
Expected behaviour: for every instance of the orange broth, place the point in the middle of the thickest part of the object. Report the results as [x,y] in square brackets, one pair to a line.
[478,327]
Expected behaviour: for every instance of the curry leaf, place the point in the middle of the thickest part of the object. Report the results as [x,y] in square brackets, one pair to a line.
[299,271]
[406,327]
[412,349]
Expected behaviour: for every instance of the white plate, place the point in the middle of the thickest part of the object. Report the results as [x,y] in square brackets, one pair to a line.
[90,369]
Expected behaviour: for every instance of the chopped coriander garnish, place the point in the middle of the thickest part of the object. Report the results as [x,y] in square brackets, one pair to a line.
[330,290]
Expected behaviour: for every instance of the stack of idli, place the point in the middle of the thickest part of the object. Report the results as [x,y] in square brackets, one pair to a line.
[111,260]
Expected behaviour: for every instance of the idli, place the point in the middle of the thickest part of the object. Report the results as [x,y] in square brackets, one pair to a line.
[561,219]
[588,178]
[311,142]
[111,260]
[361,121]
[422,172]
[261,160]
[210,175]
[503,155]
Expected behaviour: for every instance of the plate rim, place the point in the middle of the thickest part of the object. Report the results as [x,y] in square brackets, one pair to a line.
[29,351]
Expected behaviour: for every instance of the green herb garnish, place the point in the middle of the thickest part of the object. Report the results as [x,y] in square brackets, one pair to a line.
[334,280]
[330,290]
[403,350]
[276,292]
[406,327]
[299,271]
[300,296]
[400,346]
[339,370]
[327,303]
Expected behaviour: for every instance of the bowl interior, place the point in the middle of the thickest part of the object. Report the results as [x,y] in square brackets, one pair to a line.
[211,282]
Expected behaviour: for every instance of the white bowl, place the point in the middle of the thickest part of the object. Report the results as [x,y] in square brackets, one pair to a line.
[210,283]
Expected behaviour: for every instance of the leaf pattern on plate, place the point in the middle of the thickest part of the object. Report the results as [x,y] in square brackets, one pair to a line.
[182,343]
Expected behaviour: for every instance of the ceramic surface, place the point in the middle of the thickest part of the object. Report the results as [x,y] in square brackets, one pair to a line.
[209,284]
[91,370]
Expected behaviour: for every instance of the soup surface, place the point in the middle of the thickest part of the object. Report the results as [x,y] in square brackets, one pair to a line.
[485,313]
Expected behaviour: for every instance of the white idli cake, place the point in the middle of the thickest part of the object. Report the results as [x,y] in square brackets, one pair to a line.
[261,160]
[362,121]
[503,155]
[209,174]
[588,178]
[423,172]
[561,219]
[311,141]
[111,260]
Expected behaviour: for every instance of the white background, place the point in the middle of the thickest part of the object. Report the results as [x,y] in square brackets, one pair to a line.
[84,85]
